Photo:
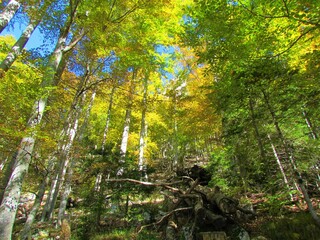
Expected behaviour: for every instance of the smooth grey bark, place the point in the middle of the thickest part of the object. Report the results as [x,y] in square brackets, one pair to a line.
[106,128]
[66,140]
[143,132]
[12,192]
[17,48]
[25,233]
[8,13]
[284,176]
[126,128]
[65,194]
[22,160]
[310,125]
[297,177]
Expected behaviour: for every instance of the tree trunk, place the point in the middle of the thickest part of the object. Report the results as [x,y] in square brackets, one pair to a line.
[285,179]
[12,193]
[106,129]
[298,180]
[8,13]
[256,130]
[310,125]
[143,132]
[17,48]
[25,233]
[65,194]
[66,141]
[126,128]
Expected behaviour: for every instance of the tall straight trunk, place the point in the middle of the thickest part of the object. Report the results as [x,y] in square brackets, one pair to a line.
[106,128]
[17,48]
[126,128]
[12,192]
[143,132]
[256,130]
[297,177]
[175,143]
[68,183]
[65,194]
[8,13]
[67,137]
[310,125]
[314,135]
[284,176]
[25,233]
[6,174]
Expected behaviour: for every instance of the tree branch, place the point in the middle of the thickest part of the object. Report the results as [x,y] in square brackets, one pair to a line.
[295,41]
[165,217]
[165,185]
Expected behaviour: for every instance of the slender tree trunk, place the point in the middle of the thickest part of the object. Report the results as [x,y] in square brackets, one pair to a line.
[310,125]
[22,160]
[68,183]
[6,175]
[126,128]
[67,137]
[256,130]
[17,48]
[12,192]
[106,129]
[298,180]
[285,179]
[65,194]
[143,132]
[8,13]
[25,233]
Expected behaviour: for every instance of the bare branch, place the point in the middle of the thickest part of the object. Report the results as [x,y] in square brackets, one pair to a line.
[122,17]
[260,15]
[75,41]
[165,217]
[295,41]
[165,185]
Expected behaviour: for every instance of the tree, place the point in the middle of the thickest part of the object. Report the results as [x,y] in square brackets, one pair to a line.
[8,13]
[22,159]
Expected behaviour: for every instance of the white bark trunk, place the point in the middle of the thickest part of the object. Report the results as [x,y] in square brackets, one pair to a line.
[309,124]
[67,137]
[8,13]
[284,176]
[65,195]
[16,50]
[143,132]
[126,128]
[25,233]
[12,192]
[106,129]
[125,135]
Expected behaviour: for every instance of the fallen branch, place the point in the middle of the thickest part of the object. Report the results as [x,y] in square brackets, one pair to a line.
[164,217]
[165,185]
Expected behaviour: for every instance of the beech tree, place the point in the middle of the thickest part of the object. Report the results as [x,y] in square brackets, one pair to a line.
[8,12]
[22,159]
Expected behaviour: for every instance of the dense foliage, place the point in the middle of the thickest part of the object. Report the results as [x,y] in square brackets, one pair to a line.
[124,89]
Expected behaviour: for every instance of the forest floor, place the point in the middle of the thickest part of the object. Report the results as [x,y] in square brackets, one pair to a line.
[274,221]
[136,216]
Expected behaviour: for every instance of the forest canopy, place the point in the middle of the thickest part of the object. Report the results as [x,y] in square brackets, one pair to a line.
[143,90]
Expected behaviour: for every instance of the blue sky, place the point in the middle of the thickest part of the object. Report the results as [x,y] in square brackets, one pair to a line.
[16,30]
